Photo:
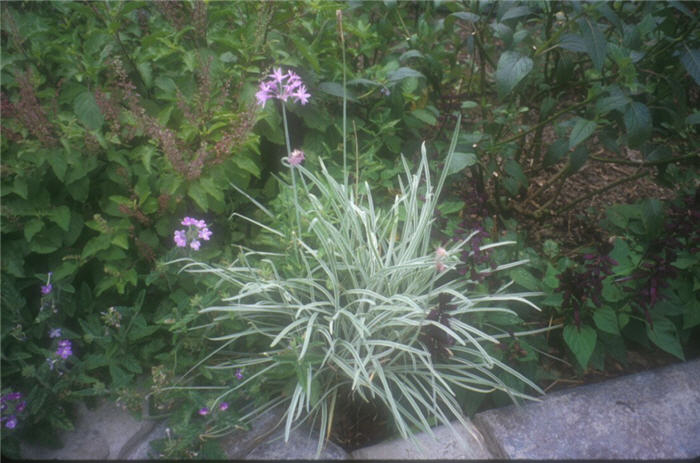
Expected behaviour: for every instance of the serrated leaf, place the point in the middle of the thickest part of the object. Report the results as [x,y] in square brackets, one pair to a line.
[335,89]
[31,228]
[424,116]
[61,217]
[466,16]
[516,12]
[525,279]
[664,335]
[594,40]
[460,161]
[85,107]
[197,193]
[610,103]
[403,73]
[606,320]
[58,164]
[511,69]
[581,342]
[581,131]
[638,123]
[95,245]
[572,42]
[556,152]
[247,164]
[691,61]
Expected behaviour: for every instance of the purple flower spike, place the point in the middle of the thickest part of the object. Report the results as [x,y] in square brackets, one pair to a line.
[11,422]
[64,349]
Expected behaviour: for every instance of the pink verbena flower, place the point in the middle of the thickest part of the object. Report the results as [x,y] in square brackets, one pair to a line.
[296,157]
[180,238]
[197,230]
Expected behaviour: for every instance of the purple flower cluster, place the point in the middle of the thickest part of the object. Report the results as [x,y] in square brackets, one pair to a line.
[204,411]
[198,230]
[282,86]
[65,349]
[11,404]
[47,288]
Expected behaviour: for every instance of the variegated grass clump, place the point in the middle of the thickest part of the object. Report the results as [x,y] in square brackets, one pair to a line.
[357,317]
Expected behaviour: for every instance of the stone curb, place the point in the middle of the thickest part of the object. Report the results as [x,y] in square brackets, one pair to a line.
[650,415]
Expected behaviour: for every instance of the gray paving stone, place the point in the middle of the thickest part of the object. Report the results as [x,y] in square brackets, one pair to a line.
[649,415]
[444,445]
[301,446]
[99,434]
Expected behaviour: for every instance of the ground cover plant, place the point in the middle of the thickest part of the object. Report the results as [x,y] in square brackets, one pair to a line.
[126,125]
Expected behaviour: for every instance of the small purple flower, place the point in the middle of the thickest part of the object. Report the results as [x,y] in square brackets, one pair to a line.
[187,221]
[296,157]
[180,238]
[301,95]
[277,75]
[55,333]
[11,422]
[195,245]
[46,289]
[239,374]
[224,406]
[385,91]
[203,411]
[204,234]
[22,405]
[64,349]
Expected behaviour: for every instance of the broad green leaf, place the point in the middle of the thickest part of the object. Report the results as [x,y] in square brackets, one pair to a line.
[248,165]
[525,279]
[611,103]
[593,38]
[335,89]
[511,69]
[581,131]
[691,61]
[638,123]
[572,42]
[460,161]
[466,16]
[606,320]
[403,73]
[146,73]
[556,152]
[652,216]
[664,335]
[196,192]
[516,12]
[61,217]
[19,187]
[578,158]
[425,116]
[94,245]
[581,342]
[58,164]
[121,240]
[32,227]
[88,112]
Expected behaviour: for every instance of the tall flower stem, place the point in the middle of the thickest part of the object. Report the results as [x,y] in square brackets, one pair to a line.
[291,168]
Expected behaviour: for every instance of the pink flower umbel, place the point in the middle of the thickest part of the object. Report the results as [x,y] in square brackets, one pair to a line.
[198,230]
[282,86]
[295,158]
